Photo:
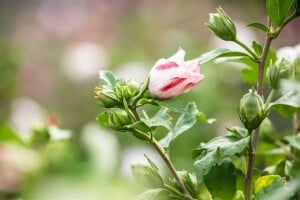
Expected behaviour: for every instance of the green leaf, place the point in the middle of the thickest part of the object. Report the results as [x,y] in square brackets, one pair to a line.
[217,53]
[205,162]
[202,118]
[265,192]
[257,48]
[186,120]
[147,176]
[229,145]
[154,194]
[221,181]
[259,26]
[293,140]
[108,77]
[264,181]
[208,153]
[7,134]
[161,118]
[289,103]
[278,10]
[102,119]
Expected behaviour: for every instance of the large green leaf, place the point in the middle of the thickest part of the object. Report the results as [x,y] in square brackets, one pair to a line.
[154,194]
[186,120]
[278,10]
[161,118]
[7,134]
[289,103]
[266,192]
[221,181]
[217,53]
[208,153]
[205,162]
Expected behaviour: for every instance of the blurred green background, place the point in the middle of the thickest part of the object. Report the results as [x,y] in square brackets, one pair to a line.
[50,54]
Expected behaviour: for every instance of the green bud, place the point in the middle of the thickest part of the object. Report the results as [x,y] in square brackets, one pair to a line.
[221,24]
[126,90]
[190,181]
[106,98]
[251,110]
[118,119]
[40,136]
[282,69]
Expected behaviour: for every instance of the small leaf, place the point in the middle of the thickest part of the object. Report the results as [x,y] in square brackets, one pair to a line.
[202,118]
[147,176]
[257,48]
[108,77]
[289,103]
[293,140]
[259,26]
[278,10]
[103,119]
[265,192]
[221,181]
[161,118]
[7,134]
[154,194]
[186,120]
[217,53]
[264,181]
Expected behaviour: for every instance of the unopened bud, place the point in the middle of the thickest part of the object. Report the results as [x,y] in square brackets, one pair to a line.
[221,24]
[118,119]
[126,90]
[106,98]
[282,69]
[251,110]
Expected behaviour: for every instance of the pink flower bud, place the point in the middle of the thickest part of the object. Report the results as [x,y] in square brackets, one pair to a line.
[173,76]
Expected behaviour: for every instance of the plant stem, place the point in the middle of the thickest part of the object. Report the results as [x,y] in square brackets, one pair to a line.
[170,165]
[254,137]
[164,155]
[254,56]
[249,172]
[296,123]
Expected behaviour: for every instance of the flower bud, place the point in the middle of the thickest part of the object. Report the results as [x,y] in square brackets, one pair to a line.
[118,119]
[106,98]
[221,24]
[126,90]
[251,110]
[282,69]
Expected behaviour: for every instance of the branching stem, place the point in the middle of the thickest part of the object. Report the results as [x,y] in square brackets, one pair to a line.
[254,137]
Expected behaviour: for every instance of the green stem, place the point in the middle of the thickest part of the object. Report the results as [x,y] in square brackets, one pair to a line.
[254,137]
[249,172]
[170,165]
[254,56]
[164,155]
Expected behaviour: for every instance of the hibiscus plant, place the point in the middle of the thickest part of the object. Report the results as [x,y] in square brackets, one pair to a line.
[226,166]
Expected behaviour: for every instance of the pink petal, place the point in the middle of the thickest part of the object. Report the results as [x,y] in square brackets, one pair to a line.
[167,65]
[178,57]
[174,82]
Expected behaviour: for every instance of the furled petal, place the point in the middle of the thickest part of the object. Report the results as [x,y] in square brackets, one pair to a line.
[169,78]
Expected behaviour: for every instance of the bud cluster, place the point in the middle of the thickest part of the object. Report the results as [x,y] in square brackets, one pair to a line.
[109,97]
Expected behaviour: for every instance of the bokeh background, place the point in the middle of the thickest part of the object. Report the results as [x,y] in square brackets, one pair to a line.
[50,54]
